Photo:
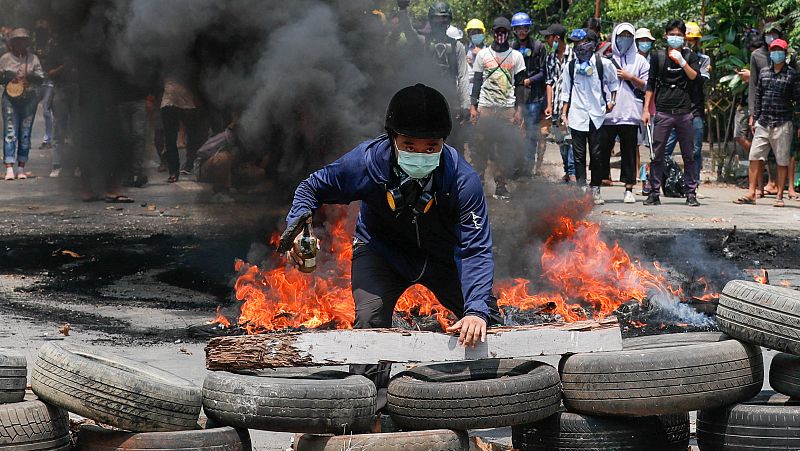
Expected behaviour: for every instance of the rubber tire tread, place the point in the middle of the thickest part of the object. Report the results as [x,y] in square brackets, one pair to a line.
[761,314]
[784,374]
[136,397]
[32,425]
[434,440]
[93,438]
[661,381]
[13,376]
[767,422]
[317,405]
[672,340]
[574,431]
[474,395]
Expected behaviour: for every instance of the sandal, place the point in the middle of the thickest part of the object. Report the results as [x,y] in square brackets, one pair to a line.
[119,199]
[779,203]
[745,200]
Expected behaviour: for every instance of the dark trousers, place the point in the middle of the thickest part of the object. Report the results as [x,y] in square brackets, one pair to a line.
[663,124]
[580,142]
[628,138]
[196,134]
[377,287]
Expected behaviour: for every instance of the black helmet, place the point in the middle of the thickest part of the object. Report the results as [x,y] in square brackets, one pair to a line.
[440,9]
[418,111]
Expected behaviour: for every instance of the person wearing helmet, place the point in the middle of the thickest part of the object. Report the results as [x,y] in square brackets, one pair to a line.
[476,32]
[423,217]
[446,52]
[21,73]
[497,100]
[535,56]
[693,36]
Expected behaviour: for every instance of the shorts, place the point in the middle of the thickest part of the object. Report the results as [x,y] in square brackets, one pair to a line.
[778,138]
[741,126]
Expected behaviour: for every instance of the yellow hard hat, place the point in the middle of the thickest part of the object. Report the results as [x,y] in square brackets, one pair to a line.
[476,24]
[693,30]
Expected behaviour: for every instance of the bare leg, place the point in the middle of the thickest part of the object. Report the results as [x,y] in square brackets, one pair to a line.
[782,173]
[792,169]
[756,169]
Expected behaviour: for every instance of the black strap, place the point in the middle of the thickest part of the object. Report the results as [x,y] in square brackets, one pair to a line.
[500,65]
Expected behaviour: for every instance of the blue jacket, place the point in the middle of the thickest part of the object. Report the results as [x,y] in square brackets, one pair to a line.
[454,231]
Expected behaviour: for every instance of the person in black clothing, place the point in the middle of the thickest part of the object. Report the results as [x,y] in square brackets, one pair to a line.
[535,55]
[672,72]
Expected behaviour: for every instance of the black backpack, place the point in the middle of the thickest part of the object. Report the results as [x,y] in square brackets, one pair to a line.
[673,184]
[598,63]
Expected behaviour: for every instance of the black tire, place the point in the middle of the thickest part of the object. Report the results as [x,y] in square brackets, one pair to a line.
[318,402]
[435,440]
[32,425]
[672,340]
[768,422]
[474,394]
[93,438]
[13,376]
[574,431]
[662,381]
[114,390]
[784,374]
[761,314]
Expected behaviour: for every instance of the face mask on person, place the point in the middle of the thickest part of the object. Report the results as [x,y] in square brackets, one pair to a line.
[555,45]
[417,165]
[645,46]
[501,36]
[777,56]
[675,42]
[584,51]
[477,39]
[768,39]
[624,43]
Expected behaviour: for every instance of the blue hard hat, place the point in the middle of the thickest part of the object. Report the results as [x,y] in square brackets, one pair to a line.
[578,34]
[521,20]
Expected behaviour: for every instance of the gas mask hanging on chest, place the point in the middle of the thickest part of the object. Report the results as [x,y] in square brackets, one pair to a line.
[407,193]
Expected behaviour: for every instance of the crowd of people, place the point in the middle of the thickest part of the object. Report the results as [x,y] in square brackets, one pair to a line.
[590,92]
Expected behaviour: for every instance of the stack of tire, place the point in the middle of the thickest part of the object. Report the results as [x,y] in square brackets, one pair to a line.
[149,409]
[766,316]
[27,423]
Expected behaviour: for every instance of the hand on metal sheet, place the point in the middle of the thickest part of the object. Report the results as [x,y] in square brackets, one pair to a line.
[471,329]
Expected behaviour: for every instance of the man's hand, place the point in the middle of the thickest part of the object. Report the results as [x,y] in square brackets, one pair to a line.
[610,106]
[624,75]
[526,82]
[548,112]
[473,115]
[745,74]
[751,123]
[645,117]
[677,56]
[471,328]
[403,4]
[518,117]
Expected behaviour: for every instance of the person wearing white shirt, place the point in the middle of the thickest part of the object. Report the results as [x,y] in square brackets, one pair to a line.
[589,92]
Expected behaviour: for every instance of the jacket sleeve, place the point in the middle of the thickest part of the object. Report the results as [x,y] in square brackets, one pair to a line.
[751,97]
[341,182]
[463,77]
[542,57]
[473,253]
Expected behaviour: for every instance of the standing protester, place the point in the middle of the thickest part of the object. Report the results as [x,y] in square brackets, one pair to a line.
[671,74]
[43,44]
[535,55]
[644,44]
[776,94]
[698,95]
[585,104]
[497,99]
[180,104]
[476,32]
[624,120]
[446,52]
[21,73]
[560,56]
[64,74]
[742,133]
[402,237]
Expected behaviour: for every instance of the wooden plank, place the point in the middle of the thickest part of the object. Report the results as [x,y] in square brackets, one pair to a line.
[367,346]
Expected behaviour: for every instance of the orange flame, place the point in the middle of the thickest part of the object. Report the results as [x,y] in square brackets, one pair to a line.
[221,319]
[585,277]
[759,275]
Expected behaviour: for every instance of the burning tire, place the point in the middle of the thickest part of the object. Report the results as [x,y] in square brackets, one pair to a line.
[93,438]
[672,340]
[574,431]
[761,314]
[784,374]
[661,381]
[435,440]
[32,425]
[13,376]
[295,401]
[769,421]
[474,394]
[115,390]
